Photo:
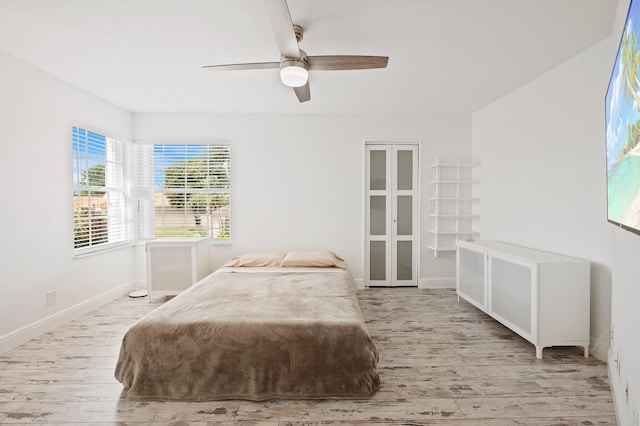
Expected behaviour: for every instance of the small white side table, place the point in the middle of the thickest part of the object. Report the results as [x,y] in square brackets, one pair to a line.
[175,264]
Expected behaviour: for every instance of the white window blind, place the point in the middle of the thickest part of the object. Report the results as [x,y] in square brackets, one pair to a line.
[99,185]
[191,190]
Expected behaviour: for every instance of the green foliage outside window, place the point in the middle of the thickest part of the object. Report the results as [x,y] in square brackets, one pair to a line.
[199,186]
[89,227]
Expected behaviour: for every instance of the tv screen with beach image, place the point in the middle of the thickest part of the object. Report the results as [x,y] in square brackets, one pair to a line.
[623,128]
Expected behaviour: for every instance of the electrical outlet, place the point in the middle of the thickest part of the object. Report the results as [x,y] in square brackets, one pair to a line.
[51,298]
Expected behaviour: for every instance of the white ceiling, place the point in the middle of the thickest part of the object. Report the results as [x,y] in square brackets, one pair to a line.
[446,56]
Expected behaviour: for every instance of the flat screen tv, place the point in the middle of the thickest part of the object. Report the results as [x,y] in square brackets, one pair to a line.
[622,112]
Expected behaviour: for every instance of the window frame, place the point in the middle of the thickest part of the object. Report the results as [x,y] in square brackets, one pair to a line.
[117,156]
[145,181]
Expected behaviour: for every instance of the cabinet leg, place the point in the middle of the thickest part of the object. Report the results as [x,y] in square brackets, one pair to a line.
[539,352]
[586,351]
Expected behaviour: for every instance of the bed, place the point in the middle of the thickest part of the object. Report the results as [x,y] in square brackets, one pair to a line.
[256,331]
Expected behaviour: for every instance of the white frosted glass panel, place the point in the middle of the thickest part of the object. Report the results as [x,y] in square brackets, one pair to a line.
[471,274]
[405,170]
[377,260]
[405,260]
[378,170]
[378,215]
[405,219]
[511,292]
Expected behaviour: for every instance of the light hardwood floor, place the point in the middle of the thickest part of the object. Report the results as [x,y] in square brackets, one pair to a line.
[442,362]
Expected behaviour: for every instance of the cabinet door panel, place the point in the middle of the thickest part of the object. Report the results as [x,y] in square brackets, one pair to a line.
[511,292]
[471,276]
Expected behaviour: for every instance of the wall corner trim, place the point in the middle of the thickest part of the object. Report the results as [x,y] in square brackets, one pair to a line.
[24,334]
[599,348]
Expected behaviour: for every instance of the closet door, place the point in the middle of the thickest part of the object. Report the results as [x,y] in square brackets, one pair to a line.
[391,215]
[404,215]
[378,215]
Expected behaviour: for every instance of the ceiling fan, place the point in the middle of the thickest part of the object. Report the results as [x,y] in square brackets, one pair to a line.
[294,63]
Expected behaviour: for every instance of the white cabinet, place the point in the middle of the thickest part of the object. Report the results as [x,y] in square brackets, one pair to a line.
[174,264]
[451,204]
[544,297]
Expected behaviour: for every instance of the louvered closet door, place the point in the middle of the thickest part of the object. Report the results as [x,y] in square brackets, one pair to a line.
[391,215]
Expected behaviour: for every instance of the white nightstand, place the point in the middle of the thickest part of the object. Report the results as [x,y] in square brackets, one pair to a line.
[175,264]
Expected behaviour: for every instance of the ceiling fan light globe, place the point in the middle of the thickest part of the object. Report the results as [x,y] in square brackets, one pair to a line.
[294,75]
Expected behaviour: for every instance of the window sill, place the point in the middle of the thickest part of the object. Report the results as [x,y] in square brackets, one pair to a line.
[94,251]
[212,242]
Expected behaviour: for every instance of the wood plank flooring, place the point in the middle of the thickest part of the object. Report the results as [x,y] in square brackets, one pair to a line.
[442,362]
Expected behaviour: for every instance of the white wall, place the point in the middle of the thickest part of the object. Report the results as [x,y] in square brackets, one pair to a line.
[543,184]
[37,112]
[298,180]
[624,360]
[542,173]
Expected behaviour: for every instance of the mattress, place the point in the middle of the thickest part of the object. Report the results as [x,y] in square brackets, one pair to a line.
[255,334]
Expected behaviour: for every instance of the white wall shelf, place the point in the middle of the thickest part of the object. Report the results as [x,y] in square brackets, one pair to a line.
[451,205]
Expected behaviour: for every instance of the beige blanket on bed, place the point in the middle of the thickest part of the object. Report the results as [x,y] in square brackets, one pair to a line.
[253,335]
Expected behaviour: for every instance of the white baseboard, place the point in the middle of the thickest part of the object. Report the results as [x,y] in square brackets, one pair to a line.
[423,283]
[616,390]
[24,334]
[437,283]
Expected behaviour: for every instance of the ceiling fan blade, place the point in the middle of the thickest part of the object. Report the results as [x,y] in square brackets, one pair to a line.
[346,62]
[303,92]
[282,27]
[236,67]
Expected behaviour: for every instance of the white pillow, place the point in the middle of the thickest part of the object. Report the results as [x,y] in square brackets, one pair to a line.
[257,258]
[318,258]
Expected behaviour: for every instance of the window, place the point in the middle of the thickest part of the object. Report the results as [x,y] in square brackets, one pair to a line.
[191,190]
[99,183]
